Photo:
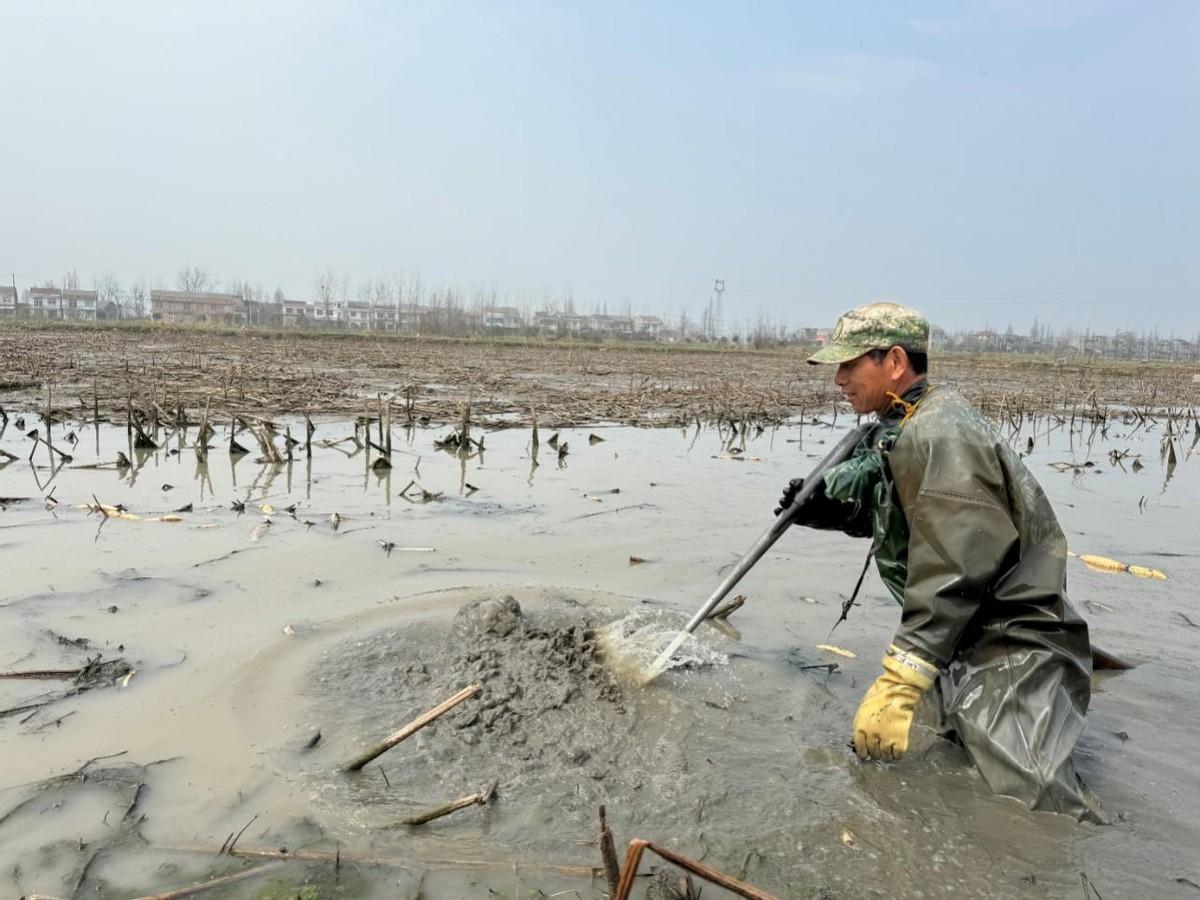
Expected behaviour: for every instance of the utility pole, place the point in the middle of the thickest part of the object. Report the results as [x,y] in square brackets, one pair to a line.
[719,324]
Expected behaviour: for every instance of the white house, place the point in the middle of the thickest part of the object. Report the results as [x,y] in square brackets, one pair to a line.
[8,302]
[79,305]
[44,302]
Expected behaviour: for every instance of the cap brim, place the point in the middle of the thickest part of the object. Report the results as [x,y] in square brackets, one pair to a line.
[836,353]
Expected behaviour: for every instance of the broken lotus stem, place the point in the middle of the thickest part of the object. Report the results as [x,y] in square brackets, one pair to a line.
[411,728]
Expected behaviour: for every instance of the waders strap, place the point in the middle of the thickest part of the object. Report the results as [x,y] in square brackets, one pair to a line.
[846,605]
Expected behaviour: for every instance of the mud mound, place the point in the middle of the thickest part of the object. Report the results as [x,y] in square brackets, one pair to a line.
[530,670]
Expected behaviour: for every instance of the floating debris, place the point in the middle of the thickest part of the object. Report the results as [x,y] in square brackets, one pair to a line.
[840,651]
[1107,564]
[726,609]
[1077,468]
[1102,563]
[1146,572]
[260,529]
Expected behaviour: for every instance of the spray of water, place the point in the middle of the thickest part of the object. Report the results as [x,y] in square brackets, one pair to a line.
[644,643]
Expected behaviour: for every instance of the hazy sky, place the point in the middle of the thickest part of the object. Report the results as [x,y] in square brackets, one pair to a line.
[987,162]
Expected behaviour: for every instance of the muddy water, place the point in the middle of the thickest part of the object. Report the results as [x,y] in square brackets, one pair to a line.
[247,640]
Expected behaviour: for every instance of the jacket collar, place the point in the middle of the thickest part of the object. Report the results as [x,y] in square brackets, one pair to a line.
[910,398]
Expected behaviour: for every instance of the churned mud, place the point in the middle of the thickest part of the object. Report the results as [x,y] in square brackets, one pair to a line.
[193,649]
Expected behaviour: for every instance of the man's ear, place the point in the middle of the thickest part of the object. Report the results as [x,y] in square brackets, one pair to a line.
[899,359]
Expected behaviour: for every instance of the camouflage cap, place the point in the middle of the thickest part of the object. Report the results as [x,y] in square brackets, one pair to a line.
[876,326]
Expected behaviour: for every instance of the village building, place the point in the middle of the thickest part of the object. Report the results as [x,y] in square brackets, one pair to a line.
[358,314]
[297,314]
[647,327]
[43,303]
[383,318]
[79,305]
[195,307]
[9,306]
[501,320]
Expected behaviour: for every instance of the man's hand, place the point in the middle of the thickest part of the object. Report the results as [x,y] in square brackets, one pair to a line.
[885,715]
[789,494]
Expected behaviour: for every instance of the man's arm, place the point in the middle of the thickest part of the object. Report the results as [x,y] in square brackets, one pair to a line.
[842,501]
[822,511]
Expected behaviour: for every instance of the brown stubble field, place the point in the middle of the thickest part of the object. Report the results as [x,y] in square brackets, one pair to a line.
[80,370]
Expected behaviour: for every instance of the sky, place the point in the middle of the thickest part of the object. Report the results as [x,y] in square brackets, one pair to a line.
[990,162]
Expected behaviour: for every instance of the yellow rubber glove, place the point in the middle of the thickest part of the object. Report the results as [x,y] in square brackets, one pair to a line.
[886,712]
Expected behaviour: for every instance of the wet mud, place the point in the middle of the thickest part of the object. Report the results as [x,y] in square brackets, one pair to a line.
[218,649]
[547,698]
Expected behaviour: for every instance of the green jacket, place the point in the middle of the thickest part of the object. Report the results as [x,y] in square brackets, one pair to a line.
[963,536]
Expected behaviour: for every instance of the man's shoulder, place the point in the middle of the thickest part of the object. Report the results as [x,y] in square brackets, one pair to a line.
[946,410]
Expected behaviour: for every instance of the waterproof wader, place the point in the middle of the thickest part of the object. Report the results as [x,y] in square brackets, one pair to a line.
[967,543]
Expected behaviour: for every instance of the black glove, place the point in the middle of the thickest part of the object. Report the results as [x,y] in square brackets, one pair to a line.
[789,494]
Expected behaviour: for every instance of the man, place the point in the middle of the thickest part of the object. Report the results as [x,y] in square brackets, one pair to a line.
[967,543]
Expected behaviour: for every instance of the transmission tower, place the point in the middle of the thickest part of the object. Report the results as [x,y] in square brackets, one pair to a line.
[719,324]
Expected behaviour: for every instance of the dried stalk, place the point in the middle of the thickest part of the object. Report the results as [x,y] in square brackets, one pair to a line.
[608,853]
[408,862]
[206,886]
[634,856]
[479,799]
[411,728]
[723,611]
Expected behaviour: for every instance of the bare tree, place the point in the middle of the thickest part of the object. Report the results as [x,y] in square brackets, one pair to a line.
[194,279]
[108,295]
[135,300]
[325,288]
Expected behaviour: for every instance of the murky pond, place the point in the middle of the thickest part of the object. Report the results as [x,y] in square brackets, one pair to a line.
[188,659]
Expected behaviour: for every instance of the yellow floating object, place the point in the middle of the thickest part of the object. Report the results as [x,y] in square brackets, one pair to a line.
[170,517]
[1145,572]
[100,508]
[266,509]
[1105,564]
[849,654]
[1102,563]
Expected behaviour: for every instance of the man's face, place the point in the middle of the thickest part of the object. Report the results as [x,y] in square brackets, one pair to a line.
[865,383]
